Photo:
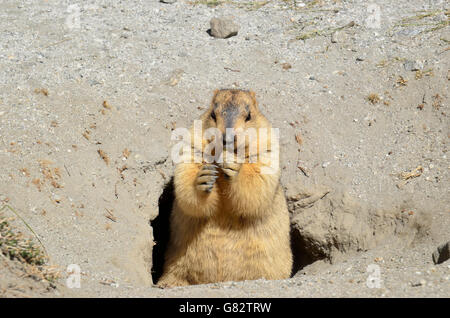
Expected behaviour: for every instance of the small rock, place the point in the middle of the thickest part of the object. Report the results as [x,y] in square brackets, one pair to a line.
[223,28]
[413,66]
[407,32]
[168,1]
[334,37]
[57,198]
[442,253]
[338,37]
[326,164]
[422,282]
[360,59]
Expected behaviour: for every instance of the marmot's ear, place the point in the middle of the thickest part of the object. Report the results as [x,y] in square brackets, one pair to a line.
[215,93]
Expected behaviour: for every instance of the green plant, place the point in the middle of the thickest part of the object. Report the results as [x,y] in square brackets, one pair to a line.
[16,246]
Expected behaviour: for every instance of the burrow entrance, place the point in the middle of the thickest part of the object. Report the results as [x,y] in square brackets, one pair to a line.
[302,255]
[161,230]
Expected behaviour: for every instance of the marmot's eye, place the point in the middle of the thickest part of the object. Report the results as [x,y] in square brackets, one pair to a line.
[248,117]
[213,116]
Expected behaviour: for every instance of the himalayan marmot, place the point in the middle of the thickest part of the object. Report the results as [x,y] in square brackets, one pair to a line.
[230,220]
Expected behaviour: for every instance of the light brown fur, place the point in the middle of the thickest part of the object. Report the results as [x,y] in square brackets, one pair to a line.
[232,224]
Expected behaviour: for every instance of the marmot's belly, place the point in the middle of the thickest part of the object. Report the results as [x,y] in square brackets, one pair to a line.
[219,254]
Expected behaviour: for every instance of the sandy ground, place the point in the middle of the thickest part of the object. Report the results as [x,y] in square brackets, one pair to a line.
[87,175]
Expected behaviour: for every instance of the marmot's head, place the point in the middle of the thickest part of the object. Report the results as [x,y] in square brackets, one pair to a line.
[233,108]
[238,110]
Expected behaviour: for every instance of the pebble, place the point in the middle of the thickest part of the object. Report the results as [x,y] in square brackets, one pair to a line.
[422,282]
[412,66]
[442,253]
[223,28]
[338,37]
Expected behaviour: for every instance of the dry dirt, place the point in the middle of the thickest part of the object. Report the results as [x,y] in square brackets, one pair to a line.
[90,92]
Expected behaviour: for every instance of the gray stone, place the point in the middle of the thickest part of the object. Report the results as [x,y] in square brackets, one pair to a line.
[223,28]
[442,253]
[413,66]
[338,37]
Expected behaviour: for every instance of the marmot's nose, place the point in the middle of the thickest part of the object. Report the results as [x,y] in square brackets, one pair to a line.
[224,139]
[228,139]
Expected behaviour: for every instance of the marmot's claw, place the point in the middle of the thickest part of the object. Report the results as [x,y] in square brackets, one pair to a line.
[206,178]
[231,169]
[230,173]
[205,187]
[202,179]
[210,167]
[208,173]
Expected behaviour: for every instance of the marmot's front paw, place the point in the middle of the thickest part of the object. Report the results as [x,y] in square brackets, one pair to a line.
[206,177]
[230,170]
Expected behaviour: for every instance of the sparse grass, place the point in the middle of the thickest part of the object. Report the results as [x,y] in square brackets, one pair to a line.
[420,74]
[324,32]
[437,102]
[250,5]
[42,91]
[255,5]
[420,20]
[437,26]
[209,3]
[386,62]
[14,245]
[420,16]
[310,34]
[401,81]
[373,98]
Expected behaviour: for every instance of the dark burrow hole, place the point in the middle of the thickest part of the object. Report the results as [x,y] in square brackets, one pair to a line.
[161,230]
[302,252]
